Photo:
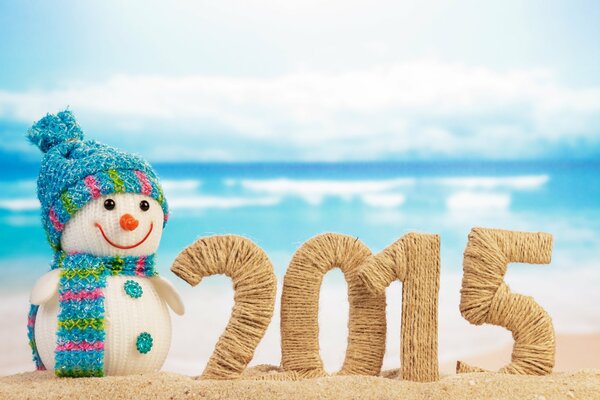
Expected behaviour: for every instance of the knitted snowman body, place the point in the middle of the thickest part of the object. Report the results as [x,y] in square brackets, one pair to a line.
[102,309]
[125,321]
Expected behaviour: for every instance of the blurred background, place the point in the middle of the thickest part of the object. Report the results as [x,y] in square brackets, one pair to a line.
[282,120]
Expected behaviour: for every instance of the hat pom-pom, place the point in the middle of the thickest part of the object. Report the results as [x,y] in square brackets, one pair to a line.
[54,129]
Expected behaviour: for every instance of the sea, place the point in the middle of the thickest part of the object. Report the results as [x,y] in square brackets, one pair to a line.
[281,205]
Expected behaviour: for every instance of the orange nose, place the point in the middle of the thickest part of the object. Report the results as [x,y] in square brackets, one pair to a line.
[128,222]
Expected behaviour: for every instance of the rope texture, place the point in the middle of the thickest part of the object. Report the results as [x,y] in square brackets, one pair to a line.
[485,297]
[300,308]
[415,260]
[255,287]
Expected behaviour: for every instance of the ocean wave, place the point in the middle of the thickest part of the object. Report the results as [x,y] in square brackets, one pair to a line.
[482,182]
[468,200]
[21,184]
[223,202]
[470,192]
[180,184]
[20,220]
[314,191]
[383,200]
[20,204]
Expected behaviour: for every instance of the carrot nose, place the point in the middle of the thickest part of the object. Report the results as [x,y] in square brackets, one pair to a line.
[128,222]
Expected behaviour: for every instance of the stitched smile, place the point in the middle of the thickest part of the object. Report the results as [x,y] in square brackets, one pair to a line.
[118,246]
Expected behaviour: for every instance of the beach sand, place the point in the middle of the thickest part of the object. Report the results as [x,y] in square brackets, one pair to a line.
[575,353]
[584,384]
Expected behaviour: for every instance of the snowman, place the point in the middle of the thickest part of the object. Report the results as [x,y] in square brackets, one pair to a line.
[102,309]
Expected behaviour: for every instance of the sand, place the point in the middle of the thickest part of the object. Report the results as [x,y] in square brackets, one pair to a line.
[577,371]
[579,354]
[573,353]
[584,384]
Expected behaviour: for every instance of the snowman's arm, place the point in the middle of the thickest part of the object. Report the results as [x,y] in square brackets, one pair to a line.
[45,288]
[167,291]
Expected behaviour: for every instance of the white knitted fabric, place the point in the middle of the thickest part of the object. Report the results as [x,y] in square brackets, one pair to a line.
[81,234]
[125,317]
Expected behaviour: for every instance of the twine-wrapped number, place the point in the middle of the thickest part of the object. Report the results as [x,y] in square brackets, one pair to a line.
[415,260]
[255,288]
[485,297]
[300,303]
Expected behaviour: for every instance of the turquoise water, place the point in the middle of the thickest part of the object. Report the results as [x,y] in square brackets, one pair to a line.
[279,206]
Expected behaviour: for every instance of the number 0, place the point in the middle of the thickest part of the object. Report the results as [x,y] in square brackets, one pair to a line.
[300,303]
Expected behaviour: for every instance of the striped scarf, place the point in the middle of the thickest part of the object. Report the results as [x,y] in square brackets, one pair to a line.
[80,334]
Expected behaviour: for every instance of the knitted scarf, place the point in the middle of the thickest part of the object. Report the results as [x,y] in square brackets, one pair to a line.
[80,334]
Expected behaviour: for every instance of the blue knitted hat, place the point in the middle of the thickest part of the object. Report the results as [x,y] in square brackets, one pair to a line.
[75,171]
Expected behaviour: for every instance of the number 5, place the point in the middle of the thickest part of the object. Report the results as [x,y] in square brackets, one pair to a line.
[485,297]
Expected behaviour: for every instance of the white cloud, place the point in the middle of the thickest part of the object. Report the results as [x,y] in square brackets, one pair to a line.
[412,109]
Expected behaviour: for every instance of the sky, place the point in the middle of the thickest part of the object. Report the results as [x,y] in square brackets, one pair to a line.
[308,80]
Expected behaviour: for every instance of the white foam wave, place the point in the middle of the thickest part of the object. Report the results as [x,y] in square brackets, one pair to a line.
[314,191]
[383,200]
[509,182]
[22,220]
[181,184]
[207,202]
[24,184]
[20,204]
[478,201]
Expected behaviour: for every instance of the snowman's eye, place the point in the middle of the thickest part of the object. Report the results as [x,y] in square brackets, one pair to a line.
[144,205]
[109,204]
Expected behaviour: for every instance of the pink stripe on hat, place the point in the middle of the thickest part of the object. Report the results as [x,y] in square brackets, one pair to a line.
[92,185]
[57,225]
[146,186]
